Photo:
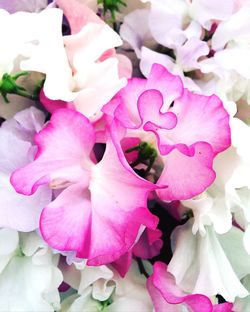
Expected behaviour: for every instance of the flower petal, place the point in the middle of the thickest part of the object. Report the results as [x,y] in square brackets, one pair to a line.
[165,293]
[59,146]
[186,176]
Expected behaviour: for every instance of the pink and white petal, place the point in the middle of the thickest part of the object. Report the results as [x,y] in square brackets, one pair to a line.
[150,104]
[150,57]
[102,78]
[119,208]
[170,86]
[187,176]
[84,220]
[200,119]
[124,103]
[167,296]
[66,222]
[159,303]
[78,14]
[64,147]
[125,66]
[90,44]
[51,105]
[149,244]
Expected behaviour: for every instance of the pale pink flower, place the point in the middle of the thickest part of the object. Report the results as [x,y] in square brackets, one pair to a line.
[188,133]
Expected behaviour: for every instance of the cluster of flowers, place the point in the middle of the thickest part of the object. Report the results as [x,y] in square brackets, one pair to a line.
[125,155]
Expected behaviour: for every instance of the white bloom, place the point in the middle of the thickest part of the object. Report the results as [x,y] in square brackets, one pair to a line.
[29,277]
[97,285]
[211,264]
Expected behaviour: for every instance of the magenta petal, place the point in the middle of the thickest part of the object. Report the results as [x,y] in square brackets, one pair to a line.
[123,264]
[149,244]
[150,103]
[170,86]
[51,105]
[60,146]
[164,293]
[200,119]
[223,307]
[187,176]
[66,222]
[124,105]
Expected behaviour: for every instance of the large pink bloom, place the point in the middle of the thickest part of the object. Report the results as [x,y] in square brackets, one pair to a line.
[188,129]
[166,296]
[101,207]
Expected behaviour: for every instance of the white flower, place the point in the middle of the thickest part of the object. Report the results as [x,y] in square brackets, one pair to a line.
[29,277]
[211,264]
[102,288]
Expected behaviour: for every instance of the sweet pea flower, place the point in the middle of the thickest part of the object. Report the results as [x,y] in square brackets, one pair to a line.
[20,43]
[83,67]
[193,37]
[101,288]
[166,296]
[214,264]
[98,201]
[16,149]
[29,277]
[180,125]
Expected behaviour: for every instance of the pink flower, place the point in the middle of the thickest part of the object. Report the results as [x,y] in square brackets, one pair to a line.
[188,129]
[102,205]
[166,296]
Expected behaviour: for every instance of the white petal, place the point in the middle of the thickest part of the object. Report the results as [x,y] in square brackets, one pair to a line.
[207,268]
